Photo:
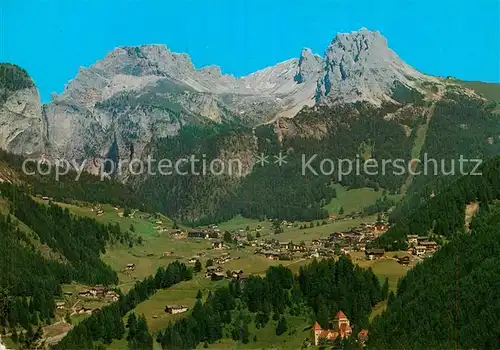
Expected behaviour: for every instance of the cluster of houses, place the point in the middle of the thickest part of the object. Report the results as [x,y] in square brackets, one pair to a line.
[354,239]
[216,273]
[222,259]
[99,292]
[421,245]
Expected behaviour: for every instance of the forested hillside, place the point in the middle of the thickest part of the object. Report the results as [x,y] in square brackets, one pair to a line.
[450,300]
[30,282]
[443,129]
[347,132]
[460,126]
[445,213]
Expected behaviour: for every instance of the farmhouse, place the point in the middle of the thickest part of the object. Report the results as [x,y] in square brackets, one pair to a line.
[284,245]
[422,239]
[130,267]
[236,273]
[198,234]
[419,250]
[112,295]
[373,254]
[430,246]
[405,260]
[412,239]
[361,247]
[217,245]
[271,255]
[211,270]
[83,310]
[176,309]
[217,276]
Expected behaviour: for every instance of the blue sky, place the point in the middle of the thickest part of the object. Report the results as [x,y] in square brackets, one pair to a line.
[51,39]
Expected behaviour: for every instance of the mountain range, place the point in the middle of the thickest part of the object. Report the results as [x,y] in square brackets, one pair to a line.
[155,92]
[359,97]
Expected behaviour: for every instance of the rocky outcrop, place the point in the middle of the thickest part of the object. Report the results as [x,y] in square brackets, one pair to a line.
[21,125]
[360,66]
[310,66]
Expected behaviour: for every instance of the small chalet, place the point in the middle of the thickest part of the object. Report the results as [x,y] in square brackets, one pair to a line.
[198,234]
[374,254]
[404,260]
[176,309]
[217,276]
[419,250]
[130,267]
[422,239]
[284,245]
[361,247]
[430,246]
[412,240]
[236,273]
[217,245]
[272,255]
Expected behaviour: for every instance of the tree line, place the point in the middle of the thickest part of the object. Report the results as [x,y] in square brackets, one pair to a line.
[444,214]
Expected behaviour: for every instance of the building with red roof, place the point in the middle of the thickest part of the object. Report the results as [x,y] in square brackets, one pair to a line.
[341,328]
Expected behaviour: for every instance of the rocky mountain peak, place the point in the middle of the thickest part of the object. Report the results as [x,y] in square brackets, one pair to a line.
[310,66]
[361,66]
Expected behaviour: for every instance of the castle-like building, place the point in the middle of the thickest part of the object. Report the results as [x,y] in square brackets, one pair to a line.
[341,328]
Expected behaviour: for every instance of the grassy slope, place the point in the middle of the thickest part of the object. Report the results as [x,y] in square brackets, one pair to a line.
[354,200]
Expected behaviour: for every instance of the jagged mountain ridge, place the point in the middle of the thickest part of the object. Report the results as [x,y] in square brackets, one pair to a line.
[135,95]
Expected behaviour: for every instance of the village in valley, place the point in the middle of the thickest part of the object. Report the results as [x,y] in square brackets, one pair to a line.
[234,250]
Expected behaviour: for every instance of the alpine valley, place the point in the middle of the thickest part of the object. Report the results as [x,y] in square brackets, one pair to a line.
[358,99]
